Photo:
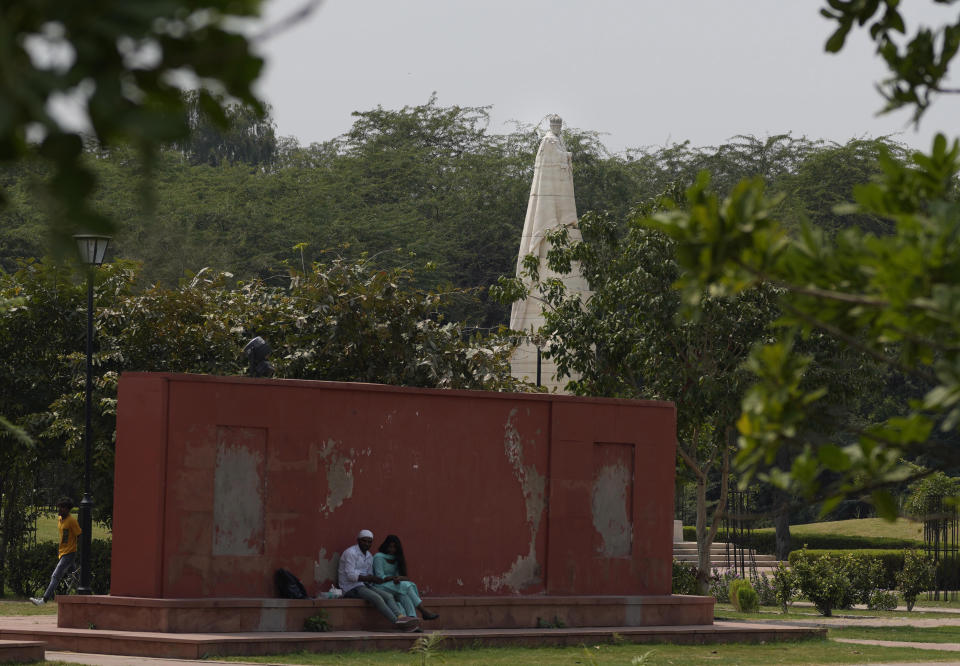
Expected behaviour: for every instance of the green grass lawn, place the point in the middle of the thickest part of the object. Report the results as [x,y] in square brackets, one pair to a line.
[806,652]
[942,603]
[863,527]
[47,528]
[10,607]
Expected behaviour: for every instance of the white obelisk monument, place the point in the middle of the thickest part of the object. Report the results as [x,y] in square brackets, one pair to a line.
[551,206]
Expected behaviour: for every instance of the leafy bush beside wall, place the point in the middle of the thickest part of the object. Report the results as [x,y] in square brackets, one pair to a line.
[28,571]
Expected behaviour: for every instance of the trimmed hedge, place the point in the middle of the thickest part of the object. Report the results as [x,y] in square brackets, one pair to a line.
[892,560]
[684,578]
[765,542]
[28,571]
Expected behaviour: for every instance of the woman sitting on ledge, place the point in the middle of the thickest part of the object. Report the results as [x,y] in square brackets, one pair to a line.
[390,565]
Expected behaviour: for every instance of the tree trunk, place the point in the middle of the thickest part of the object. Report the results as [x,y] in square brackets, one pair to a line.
[704,538]
[3,537]
[781,504]
[705,533]
[781,521]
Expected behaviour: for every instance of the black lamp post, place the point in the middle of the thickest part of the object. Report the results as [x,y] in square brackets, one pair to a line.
[92,249]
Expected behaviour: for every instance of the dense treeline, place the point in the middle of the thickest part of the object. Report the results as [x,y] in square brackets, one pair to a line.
[431,181]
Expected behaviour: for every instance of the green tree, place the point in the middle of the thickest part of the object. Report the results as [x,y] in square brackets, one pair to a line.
[892,297]
[889,297]
[118,61]
[932,495]
[918,574]
[40,325]
[825,178]
[249,135]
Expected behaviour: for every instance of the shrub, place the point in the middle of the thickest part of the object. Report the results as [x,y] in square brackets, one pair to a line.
[733,591]
[822,580]
[927,494]
[882,600]
[763,584]
[867,575]
[318,622]
[784,586]
[719,582]
[915,577]
[891,560]
[29,569]
[747,598]
[684,578]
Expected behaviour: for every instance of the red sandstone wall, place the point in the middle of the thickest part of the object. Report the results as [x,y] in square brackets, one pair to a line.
[220,481]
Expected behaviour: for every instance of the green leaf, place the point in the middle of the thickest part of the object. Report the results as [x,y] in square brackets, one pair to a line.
[885,504]
[834,458]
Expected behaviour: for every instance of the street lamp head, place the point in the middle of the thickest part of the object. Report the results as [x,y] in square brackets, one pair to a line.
[256,352]
[92,247]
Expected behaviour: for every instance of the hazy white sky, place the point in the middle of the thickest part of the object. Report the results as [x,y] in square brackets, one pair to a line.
[643,72]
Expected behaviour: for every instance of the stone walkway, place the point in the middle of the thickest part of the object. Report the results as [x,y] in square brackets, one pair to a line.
[119,660]
[839,620]
[945,647]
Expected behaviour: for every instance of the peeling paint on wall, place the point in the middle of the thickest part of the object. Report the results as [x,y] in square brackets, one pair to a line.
[325,568]
[611,497]
[339,469]
[238,490]
[525,570]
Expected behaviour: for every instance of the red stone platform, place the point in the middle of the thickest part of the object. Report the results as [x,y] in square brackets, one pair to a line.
[258,615]
[200,645]
[21,651]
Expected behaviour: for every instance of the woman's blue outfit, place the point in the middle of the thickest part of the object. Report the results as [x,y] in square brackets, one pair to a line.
[405,592]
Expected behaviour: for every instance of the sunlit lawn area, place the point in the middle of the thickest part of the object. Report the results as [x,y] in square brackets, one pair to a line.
[941,603]
[24,607]
[726,612]
[862,527]
[47,528]
[806,652]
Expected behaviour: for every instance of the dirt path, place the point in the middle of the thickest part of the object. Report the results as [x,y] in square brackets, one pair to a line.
[948,647]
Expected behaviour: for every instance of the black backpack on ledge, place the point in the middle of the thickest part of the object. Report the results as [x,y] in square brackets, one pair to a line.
[288,585]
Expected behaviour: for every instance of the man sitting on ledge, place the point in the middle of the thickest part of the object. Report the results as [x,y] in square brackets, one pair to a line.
[356,570]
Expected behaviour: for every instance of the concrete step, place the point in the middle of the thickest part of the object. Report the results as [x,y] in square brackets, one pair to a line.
[21,651]
[232,615]
[721,556]
[770,558]
[689,557]
[716,545]
[198,645]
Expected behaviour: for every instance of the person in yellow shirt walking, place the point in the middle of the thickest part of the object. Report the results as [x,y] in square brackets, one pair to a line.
[69,530]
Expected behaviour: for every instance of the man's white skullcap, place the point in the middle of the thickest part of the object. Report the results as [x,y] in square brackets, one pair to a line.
[365,534]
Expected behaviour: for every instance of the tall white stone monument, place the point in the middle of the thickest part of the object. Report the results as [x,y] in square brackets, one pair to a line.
[551,206]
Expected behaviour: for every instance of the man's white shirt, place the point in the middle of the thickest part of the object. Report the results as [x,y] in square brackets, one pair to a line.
[353,564]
